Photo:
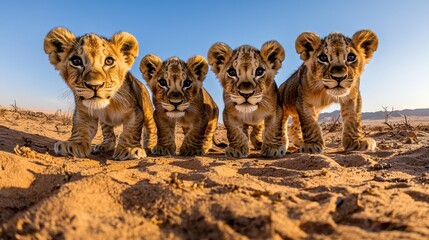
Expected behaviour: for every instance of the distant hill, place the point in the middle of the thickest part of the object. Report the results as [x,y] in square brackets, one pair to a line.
[421,112]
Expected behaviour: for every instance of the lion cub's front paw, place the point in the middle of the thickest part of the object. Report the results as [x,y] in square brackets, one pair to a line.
[364,144]
[190,151]
[237,152]
[76,149]
[164,150]
[103,147]
[206,149]
[311,148]
[273,151]
[127,153]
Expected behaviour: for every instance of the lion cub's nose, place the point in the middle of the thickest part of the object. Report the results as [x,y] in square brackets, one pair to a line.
[175,98]
[245,88]
[246,95]
[338,73]
[175,104]
[339,79]
[94,86]
[245,85]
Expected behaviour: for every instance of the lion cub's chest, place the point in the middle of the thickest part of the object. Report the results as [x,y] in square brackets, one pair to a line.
[114,116]
[323,100]
[253,118]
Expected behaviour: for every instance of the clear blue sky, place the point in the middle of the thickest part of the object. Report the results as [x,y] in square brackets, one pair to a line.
[397,75]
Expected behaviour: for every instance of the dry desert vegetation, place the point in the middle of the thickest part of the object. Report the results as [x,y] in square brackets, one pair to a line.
[335,195]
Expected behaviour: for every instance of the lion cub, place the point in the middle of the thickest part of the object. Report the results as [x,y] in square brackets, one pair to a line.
[330,73]
[178,96]
[250,95]
[97,71]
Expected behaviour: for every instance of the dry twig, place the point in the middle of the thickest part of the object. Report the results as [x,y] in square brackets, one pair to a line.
[387,114]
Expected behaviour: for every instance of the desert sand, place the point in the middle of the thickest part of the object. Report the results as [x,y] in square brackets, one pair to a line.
[335,195]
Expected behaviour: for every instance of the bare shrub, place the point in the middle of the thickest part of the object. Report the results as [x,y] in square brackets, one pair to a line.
[15,107]
[65,117]
[387,114]
[333,125]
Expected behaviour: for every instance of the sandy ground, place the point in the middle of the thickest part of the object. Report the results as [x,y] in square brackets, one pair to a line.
[335,195]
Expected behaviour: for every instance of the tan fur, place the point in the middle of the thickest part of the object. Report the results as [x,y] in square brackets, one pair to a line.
[250,98]
[176,102]
[97,71]
[329,74]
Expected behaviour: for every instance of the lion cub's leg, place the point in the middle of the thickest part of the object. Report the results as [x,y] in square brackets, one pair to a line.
[194,139]
[275,142]
[295,132]
[210,130]
[245,130]
[83,131]
[150,130]
[196,130]
[109,140]
[129,144]
[256,136]
[166,145]
[238,141]
[312,134]
[353,138]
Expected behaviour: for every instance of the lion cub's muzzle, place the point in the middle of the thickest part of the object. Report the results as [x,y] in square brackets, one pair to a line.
[94,93]
[246,90]
[246,95]
[94,90]
[247,99]
[95,97]
[338,83]
[93,86]
[176,105]
[94,81]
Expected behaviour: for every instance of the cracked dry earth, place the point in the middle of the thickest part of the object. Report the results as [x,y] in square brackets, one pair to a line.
[335,195]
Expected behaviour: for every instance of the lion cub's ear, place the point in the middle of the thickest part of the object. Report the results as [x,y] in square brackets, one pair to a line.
[218,55]
[198,66]
[273,53]
[367,41]
[126,44]
[149,66]
[57,43]
[306,43]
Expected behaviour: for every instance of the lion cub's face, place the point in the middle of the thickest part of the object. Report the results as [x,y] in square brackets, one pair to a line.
[93,67]
[245,73]
[174,83]
[336,62]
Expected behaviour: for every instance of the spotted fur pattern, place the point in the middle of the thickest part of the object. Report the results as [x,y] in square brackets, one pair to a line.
[96,70]
[250,95]
[330,74]
[179,97]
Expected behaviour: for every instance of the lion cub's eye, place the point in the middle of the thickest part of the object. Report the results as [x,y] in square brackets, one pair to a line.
[76,61]
[109,61]
[259,71]
[351,57]
[232,72]
[162,82]
[187,83]
[323,58]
